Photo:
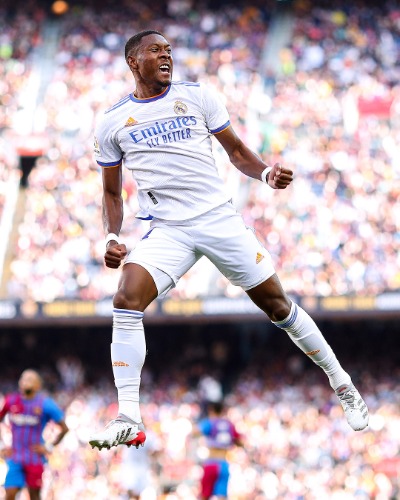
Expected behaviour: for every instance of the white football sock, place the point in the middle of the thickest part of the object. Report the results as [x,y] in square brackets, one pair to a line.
[303,331]
[128,351]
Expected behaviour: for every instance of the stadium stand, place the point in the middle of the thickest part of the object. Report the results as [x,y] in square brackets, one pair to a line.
[89,75]
[336,121]
[20,34]
[297,444]
[330,111]
[319,92]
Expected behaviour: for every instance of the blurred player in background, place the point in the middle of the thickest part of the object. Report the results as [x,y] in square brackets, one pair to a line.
[29,411]
[162,133]
[221,436]
[138,467]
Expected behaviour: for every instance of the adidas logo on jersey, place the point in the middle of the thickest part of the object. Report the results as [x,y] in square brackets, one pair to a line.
[259,257]
[130,121]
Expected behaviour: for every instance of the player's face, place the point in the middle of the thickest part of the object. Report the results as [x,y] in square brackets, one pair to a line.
[29,382]
[153,62]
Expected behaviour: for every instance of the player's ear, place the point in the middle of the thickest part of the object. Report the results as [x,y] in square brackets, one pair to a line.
[132,62]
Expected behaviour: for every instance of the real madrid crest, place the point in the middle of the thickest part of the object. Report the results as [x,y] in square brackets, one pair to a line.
[96,148]
[180,108]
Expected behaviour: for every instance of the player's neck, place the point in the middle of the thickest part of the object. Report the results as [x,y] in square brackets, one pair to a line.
[144,92]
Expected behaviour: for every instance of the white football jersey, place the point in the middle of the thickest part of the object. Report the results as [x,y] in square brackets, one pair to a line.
[166,143]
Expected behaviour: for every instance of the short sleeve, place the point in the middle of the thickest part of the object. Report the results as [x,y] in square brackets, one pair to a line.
[106,151]
[205,426]
[216,114]
[52,411]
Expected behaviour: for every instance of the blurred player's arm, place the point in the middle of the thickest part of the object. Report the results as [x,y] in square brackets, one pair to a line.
[249,163]
[237,438]
[5,451]
[196,431]
[63,430]
[46,448]
[113,213]
[4,409]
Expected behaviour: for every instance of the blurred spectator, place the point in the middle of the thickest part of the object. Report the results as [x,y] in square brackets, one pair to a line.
[297,443]
[333,116]
[138,471]
[89,75]
[71,371]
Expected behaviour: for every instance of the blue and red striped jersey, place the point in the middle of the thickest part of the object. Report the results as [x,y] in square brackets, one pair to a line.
[220,432]
[28,418]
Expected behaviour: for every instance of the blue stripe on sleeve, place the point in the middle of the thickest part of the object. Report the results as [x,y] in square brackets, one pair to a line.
[119,104]
[187,84]
[147,217]
[220,129]
[111,164]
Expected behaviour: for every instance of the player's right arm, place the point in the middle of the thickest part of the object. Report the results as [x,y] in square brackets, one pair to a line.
[109,157]
[5,451]
[4,409]
[113,214]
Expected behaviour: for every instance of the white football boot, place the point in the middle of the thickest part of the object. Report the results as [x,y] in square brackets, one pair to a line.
[122,430]
[354,407]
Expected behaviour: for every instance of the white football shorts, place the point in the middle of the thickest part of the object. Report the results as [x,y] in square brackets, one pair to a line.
[170,248]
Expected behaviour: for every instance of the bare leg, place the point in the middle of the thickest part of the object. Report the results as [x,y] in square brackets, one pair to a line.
[11,493]
[136,288]
[300,327]
[34,493]
[270,297]
[302,330]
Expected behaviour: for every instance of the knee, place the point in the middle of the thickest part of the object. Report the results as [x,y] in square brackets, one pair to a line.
[123,301]
[282,310]
[279,308]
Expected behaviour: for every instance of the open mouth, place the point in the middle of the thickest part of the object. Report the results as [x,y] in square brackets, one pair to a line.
[164,68]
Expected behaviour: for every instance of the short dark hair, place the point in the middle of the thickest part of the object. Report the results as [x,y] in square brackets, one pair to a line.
[134,41]
[216,406]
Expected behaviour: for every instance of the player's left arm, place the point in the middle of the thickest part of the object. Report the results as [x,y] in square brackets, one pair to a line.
[46,448]
[249,163]
[63,430]
[55,414]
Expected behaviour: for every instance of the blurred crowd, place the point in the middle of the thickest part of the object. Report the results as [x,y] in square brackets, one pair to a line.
[60,245]
[331,113]
[20,35]
[335,119]
[298,445]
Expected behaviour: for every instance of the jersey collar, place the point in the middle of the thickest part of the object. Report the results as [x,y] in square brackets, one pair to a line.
[153,98]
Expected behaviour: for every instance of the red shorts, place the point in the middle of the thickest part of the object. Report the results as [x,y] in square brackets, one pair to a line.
[210,476]
[215,478]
